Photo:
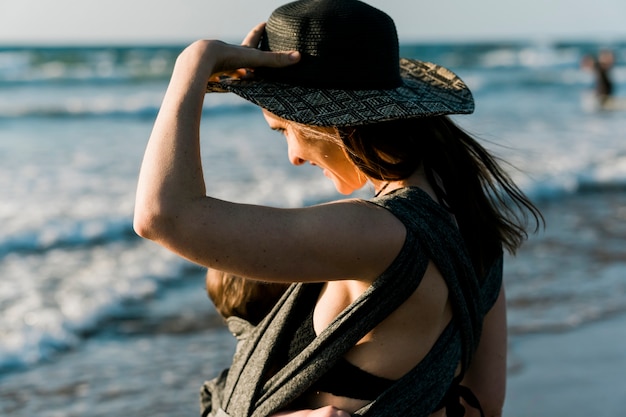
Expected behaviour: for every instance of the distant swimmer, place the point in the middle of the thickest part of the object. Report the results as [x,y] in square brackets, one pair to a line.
[601,66]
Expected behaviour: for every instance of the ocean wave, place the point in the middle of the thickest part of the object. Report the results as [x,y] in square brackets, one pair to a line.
[36,65]
[507,55]
[38,334]
[70,111]
[45,314]
[102,108]
[610,177]
[138,64]
[67,234]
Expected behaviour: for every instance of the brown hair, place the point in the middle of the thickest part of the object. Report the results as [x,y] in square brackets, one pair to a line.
[492,212]
[490,209]
[245,298]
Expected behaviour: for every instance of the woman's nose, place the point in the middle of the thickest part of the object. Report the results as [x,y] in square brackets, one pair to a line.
[294,158]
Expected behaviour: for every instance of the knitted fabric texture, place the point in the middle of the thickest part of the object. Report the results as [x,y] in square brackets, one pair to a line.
[431,236]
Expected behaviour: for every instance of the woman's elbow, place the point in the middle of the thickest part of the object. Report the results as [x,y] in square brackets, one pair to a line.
[143,225]
[148,223]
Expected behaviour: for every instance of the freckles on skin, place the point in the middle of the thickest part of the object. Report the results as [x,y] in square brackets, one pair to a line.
[323,153]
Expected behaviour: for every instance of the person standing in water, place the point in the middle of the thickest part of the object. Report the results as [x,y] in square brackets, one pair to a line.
[601,67]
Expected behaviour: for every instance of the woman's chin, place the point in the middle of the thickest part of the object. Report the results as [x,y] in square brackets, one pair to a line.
[343,188]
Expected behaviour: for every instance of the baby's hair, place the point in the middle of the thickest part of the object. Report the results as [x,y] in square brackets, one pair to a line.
[233,295]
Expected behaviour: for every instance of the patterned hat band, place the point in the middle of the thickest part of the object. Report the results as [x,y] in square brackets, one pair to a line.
[350,72]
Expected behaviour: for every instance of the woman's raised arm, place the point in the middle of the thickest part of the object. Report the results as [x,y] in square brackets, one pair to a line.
[259,242]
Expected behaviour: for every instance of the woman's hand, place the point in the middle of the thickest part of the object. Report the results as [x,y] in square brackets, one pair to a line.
[248,56]
[327,411]
[208,59]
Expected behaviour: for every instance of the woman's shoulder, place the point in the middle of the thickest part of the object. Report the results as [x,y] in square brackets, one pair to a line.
[410,193]
[411,203]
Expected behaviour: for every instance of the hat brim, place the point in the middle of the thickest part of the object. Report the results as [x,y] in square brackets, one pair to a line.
[427,90]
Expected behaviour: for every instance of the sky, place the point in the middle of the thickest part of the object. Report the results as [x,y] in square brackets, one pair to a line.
[63,22]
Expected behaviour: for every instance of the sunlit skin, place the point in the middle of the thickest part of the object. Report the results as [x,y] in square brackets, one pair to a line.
[324,154]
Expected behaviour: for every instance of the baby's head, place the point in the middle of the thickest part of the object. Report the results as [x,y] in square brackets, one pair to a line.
[236,296]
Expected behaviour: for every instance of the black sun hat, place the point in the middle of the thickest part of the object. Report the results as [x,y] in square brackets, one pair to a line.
[349,73]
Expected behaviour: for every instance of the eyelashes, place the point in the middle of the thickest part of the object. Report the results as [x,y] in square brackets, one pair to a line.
[279,130]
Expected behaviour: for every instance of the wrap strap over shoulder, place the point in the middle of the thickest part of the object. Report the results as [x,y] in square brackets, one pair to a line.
[256,387]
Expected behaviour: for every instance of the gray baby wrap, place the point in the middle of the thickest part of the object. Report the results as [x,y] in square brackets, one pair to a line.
[246,390]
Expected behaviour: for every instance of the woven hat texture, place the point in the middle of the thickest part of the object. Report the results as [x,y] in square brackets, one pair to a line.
[350,72]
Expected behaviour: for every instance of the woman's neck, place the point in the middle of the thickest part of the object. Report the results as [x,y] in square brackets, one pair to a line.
[417,179]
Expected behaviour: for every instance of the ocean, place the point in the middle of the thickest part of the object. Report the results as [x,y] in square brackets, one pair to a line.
[98,322]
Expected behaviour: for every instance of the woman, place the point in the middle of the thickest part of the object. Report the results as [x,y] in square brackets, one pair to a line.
[399,307]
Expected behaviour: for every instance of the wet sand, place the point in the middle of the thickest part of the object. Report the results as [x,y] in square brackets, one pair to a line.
[574,369]
[578,373]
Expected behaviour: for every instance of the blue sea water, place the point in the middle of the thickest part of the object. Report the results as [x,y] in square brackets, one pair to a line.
[75,278]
